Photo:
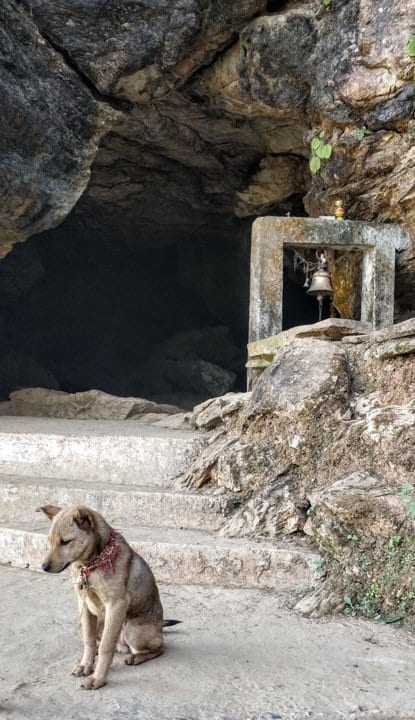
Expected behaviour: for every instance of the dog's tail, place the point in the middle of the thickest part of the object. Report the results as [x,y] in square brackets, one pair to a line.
[169,623]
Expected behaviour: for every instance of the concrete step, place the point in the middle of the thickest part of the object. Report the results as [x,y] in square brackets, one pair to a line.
[121,505]
[187,557]
[97,450]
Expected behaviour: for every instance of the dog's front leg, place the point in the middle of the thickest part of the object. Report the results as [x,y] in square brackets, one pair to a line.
[115,613]
[89,638]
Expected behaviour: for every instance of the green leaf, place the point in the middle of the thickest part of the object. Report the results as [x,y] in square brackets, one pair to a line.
[410,508]
[325,151]
[321,135]
[327,3]
[410,48]
[361,132]
[348,601]
[314,164]
[316,144]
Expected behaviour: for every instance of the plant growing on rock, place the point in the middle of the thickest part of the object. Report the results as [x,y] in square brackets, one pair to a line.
[361,133]
[407,493]
[410,47]
[319,151]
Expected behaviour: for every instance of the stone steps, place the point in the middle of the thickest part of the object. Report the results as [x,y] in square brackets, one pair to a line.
[186,557]
[98,450]
[123,505]
[125,470]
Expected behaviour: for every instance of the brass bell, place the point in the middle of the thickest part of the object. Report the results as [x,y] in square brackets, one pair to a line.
[320,284]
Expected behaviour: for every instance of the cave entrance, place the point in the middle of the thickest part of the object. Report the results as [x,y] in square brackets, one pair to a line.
[163,316]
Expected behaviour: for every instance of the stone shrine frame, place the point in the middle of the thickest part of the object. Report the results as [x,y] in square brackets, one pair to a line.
[377,242]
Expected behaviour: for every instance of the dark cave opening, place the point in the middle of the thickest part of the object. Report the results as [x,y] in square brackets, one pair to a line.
[166,321]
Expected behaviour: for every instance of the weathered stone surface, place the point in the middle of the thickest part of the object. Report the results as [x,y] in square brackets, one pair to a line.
[394,332]
[277,509]
[178,421]
[188,557]
[141,52]
[130,505]
[93,404]
[277,180]
[50,125]
[364,526]
[108,451]
[330,329]
[216,411]
[304,373]
[392,348]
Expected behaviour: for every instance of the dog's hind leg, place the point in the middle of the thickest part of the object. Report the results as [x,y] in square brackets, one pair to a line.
[145,642]
[89,638]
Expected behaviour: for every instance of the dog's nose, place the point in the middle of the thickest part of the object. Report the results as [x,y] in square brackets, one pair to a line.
[46,567]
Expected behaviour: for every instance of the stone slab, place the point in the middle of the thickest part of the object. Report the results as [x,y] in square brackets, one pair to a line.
[394,332]
[186,557]
[391,348]
[121,505]
[330,329]
[97,450]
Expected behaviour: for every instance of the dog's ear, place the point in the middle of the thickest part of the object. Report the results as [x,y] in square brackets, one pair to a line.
[84,518]
[49,510]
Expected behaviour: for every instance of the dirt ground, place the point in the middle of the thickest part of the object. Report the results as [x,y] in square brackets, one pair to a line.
[239,655]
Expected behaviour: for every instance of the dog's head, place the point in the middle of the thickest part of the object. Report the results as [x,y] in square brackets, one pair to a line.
[72,536]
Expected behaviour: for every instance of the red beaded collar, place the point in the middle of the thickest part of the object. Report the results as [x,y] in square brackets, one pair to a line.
[104,561]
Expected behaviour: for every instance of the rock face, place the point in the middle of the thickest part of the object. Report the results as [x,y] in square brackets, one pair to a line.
[325,445]
[190,114]
[50,126]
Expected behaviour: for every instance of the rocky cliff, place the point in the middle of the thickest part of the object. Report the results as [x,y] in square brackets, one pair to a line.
[188,115]
[325,446]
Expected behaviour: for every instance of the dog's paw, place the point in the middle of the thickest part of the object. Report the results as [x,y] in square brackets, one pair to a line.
[80,670]
[93,683]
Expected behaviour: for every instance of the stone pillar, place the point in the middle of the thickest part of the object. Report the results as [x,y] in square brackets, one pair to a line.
[378,243]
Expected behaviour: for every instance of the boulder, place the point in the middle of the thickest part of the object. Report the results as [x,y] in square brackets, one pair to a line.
[305,373]
[216,411]
[93,404]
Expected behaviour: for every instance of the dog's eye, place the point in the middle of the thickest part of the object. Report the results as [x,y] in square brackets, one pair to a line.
[65,542]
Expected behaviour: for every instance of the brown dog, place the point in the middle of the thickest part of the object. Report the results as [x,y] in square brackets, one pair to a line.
[117,595]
